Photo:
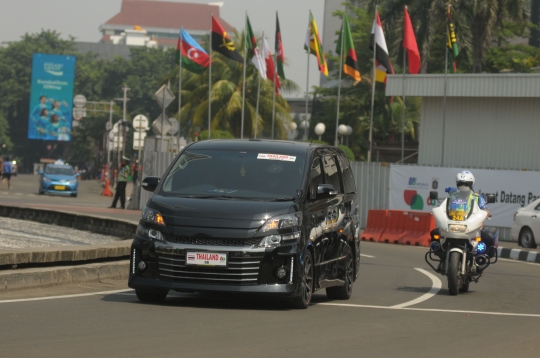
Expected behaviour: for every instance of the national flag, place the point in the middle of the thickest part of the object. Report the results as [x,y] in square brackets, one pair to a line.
[378,44]
[350,65]
[270,69]
[313,44]
[254,51]
[280,55]
[409,43]
[194,58]
[221,42]
[451,43]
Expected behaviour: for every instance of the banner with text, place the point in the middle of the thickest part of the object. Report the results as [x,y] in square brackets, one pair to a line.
[51,97]
[410,187]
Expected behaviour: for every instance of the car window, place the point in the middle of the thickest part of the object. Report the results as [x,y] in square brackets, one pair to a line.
[236,174]
[316,177]
[537,208]
[331,172]
[59,170]
[346,175]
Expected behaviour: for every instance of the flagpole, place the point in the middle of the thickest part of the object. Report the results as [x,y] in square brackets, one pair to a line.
[244,81]
[339,84]
[373,91]
[274,99]
[210,80]
[307,80]
[257,106]
[403,104]
[180,87]
[444,97]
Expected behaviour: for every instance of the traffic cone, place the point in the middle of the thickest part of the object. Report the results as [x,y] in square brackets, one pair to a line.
[107,191]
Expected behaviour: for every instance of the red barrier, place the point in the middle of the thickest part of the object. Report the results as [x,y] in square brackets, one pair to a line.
[417,229]
[395,226]
[376,223]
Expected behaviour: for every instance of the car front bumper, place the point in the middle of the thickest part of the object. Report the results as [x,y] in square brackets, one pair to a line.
[54,188]
[249,270]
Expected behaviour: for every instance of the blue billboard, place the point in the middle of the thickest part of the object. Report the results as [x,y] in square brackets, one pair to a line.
[51,97]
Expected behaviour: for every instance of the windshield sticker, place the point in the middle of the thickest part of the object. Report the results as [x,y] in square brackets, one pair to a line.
[284,158]
[221,191]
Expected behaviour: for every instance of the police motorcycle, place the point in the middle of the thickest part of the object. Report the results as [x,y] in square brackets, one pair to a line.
[460,246]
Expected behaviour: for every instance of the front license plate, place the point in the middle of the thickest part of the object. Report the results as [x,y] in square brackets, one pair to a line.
[59,187]
[206,259]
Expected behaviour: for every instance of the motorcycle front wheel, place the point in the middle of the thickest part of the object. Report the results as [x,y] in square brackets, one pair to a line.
[454,276]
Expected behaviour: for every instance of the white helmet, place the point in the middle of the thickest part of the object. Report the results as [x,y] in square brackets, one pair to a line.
[465,178]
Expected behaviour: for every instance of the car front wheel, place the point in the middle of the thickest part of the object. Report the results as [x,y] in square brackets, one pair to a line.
[306,289]
[526,238]
[156,295]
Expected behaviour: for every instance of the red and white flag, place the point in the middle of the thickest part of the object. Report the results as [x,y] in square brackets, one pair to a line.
[270,68]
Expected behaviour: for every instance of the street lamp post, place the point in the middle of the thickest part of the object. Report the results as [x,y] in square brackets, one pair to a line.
[319,130]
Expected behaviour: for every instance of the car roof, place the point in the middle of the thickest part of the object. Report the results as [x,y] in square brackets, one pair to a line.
[260,145]
[59,166]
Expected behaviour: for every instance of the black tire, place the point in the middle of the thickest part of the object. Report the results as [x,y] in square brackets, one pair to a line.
[465,287]
[303,301]
[40,192]
[344,292]
[526,237]
[156,295]
[454,278]
[74,195]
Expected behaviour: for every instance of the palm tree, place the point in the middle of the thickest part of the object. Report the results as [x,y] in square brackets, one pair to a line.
[226,99]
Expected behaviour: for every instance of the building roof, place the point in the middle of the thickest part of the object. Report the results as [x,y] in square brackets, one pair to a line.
[168,15]
[466,85]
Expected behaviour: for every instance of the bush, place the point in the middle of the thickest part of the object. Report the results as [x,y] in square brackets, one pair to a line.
[216,134]
[348,152]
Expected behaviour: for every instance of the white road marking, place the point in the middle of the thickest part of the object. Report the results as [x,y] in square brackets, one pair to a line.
[367,256]
[429,310]
[436,285]
[66,296]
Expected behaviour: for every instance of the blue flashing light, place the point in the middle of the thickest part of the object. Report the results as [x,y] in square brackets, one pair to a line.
[481,247]
[435,246]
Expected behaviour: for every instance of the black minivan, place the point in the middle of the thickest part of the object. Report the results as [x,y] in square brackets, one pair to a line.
[249,216]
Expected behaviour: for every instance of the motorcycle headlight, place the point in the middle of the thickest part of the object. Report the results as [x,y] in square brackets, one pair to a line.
[150,233]
[282,222]
[276,240]
[152,216]
[458,228]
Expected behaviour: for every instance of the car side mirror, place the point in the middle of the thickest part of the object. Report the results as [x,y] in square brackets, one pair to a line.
[433,195]
[326,191]
[150,183]
[490,198]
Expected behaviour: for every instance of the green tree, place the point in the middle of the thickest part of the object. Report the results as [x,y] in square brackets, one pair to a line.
[226,99]
[5,141]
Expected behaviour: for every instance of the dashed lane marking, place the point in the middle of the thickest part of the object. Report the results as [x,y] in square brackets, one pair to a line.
[367,256]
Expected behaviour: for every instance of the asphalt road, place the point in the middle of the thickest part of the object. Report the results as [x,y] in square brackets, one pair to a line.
[396,311]
[24,192]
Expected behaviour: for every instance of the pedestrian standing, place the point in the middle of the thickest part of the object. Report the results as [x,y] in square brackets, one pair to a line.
[7,168]
[135,171]
[121,184]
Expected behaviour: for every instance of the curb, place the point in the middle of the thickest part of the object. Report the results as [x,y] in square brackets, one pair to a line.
[65,254]
[519,255]
[20,279]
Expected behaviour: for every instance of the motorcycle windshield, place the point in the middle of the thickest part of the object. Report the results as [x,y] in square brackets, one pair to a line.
[459,207]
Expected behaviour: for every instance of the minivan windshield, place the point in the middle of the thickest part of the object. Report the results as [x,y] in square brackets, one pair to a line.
[235,174]
[59,170]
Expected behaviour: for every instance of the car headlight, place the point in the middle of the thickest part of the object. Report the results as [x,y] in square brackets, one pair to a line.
[72,181]
[150,233]
[282,222]
[276,240]
[152,216]
[46,180]
[457,228]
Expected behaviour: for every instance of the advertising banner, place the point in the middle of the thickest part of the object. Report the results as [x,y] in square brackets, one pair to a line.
[410,187]
[51,97]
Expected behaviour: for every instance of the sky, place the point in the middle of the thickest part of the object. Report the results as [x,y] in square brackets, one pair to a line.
[82,18]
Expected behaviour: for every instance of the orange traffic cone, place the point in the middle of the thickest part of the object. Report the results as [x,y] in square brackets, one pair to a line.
[107,191]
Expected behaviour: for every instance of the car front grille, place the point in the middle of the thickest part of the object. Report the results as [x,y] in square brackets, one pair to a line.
[211,241]
[241,271]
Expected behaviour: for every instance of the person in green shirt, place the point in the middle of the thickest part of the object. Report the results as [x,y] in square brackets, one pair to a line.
[121,184]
